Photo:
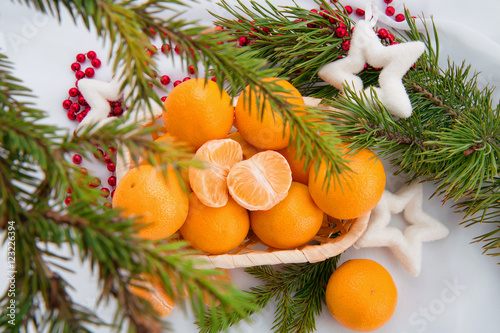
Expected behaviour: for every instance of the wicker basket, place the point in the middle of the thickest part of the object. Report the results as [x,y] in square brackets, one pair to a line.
[252,252]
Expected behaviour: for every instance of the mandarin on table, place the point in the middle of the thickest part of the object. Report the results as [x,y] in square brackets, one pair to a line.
[291,223]
[361,295]
[159,202]
[270,131]
[359,190]
[152,290]
[260,182]
[215,230]
[196,111]
[210,184]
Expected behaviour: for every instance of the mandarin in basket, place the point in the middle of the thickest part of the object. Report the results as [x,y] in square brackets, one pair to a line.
[157,201]
[247,149]
[210,184]
[260,182]
[215,230]
[197,111]
[291,223]
[361,295]
[268,131]
[297,164]
[152,290]
[358,191]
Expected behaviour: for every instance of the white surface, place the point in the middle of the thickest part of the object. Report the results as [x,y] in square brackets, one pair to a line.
[457,290]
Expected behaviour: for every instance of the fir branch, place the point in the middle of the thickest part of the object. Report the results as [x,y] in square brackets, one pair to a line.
[299,290]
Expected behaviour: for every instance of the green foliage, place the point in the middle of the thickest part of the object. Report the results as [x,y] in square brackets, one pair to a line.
[299,292]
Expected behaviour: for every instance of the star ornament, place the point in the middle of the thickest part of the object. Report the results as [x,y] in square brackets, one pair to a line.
[395,60]
[405,245]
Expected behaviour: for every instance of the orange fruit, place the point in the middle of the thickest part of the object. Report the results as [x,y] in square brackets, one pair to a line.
[210,184]
[361,295]
[215,230]
[247,149]
[270,131]
[152,291]
[297,164]
[291,223]
[197,111]
[260,182]
[358,191]
[157,201]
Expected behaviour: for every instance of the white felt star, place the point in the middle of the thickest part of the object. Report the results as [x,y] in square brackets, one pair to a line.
[97,94]
[407,245]
[394,59]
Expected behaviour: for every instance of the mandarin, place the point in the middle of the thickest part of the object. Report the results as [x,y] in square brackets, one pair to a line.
[196,111]
[291,223]
[215,230]
[361,295]
[358,191]
[158,202]
[268,131]
[210,184]
[297,164]
[260,182]
[152,290]
[247,149]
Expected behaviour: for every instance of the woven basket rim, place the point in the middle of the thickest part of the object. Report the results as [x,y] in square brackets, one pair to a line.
[307,253]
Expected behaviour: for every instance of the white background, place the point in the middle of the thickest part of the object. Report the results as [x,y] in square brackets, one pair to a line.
[457,290]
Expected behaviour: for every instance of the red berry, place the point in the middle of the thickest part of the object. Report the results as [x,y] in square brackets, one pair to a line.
[99,154]
[391,37]
[388,1]
[346,45]
[112,193]
[75,66]
[89,72]
[214,79]
[67,201]
[382,33]
[348,10]
[105,192]
[117,111]
[176,83]
[84,171]
[186,78]
[163,98]
[111,167]
[191,69]
[81,100]
[243,41]
[360,12]
[79,117]
[177,50]
[112,181]
[80,57]
[390,11]
[96,63]
[79,75]
[70,190]
[91,55]
[165,48]
[165,79]
[66,104]
[400,18]
[77,159]
[340,32]
[75,107]
[71,115]
[73,92]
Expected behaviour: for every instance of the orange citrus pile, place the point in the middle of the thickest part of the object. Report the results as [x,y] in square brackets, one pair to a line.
[251,178]
[361,295]
[358,191]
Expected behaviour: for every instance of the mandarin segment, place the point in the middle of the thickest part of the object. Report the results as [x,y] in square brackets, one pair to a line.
[358,191]
[268,131]
[260,182]
[361,295]
[196,111]
[215,230]
[159,203]
[210,183]
[291,223]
